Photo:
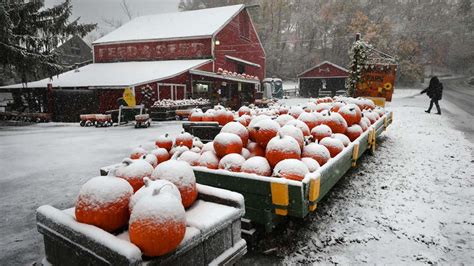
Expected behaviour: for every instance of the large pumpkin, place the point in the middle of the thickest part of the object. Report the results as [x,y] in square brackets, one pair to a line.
[150,186]
[190,157]
[265,130]
[134,171]
[318,152]
[351,113]
[184,139]
[257,165]
[237,129]
[255,149]
[335,146]
[309,119]
[244,110]
[281,148]
[311,163]
[137,153]
[252,124]
[209,159]
[301,125]
[232,162]
[335,121]
[292,131]
[165,142]
[182,176]
[320,132]
[353,132]
[291,169]
[227,143]
[196,116]
[161,154]
[103,202]
[157,223]
[283,119]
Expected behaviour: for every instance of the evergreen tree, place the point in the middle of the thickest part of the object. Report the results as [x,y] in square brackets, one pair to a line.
[30,33]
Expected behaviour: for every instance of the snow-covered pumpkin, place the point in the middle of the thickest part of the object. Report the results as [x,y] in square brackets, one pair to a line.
[164,141]
[265,130]
[133,171]
[197,143]
[157,223]
[161,154]
[255,149]
[335,121]
[311,163]
[209,116]
[292,131]
[227,143]
[245,153]
[335,146]
[103,202]
[209,159]
[190,157]
[371,115]
[336,106]
[280,148]
[320,132]
[309,119]
[150,185]
[301,125]
[231,162]
[196,116]
[295,111]
[208,147]
[291,169]
[318,152]
[252,124]
[181,174]
[353,132]
[137,153]
[351,113]
[283,119]
[237,129]
[345,140]
[244,110]
[184,139]
[257,165]
[151,159]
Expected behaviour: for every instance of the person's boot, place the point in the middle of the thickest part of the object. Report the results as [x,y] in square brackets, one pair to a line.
[426,111]
[438,113]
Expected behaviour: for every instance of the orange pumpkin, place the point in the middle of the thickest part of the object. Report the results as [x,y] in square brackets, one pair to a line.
[165,142]
[257,165]
[222,117]
[157,224]
[292,131]
[137,153]
[353,132]
[196,116]
[244,110]
[336,106]
[301,125]
[283,119]
[209,159]
[134,171]
[335,146]
[309,119]
[209,116]
[295,111]
[291,169]
[182,176]
[149,187]
[351,113]
[161,154]
[208,147]
[320,132]
[253,122]
[255,149]
[237,129]
[343,138]
[265,130]
[151,159]
[190,157]
[232,162]
[281,148]
[335,121]
[184,139]
[318,152]
[103,202]
[311,163]
[227,143]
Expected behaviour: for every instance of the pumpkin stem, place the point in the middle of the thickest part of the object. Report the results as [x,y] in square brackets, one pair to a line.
[146,181]
[127,161]
[257,128]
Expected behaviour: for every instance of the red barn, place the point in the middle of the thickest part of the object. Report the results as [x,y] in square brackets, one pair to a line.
[211,53]
[324,79]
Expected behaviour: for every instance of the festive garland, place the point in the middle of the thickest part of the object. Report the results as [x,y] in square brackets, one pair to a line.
[359,55]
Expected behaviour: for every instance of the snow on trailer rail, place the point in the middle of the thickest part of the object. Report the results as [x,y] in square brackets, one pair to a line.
[212,236]
[269,200]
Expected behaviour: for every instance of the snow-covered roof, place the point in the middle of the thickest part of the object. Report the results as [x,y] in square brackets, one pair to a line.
[186,24]
[325,62]
[119,74]
[242,61]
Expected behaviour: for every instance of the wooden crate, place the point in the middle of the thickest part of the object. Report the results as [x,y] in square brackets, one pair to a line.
[218,242]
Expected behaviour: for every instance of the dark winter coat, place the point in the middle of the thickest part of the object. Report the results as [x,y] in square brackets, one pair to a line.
[434,90]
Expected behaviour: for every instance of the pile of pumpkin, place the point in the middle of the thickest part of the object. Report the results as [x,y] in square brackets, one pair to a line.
[149,192]
[282,141]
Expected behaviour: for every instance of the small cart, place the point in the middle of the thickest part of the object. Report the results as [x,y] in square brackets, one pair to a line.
[87,120]
[103,120]
[142,121]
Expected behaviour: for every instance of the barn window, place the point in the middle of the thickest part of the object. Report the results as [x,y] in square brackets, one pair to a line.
[244,26]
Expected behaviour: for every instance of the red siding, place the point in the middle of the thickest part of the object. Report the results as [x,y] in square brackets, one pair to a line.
[234,43]
[325,71]
[153,50]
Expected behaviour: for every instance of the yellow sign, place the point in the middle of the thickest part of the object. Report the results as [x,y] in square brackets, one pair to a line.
[129,97]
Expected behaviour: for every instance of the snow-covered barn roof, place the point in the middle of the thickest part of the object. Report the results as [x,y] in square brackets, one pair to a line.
[343,72]
[186,24]
[120,74]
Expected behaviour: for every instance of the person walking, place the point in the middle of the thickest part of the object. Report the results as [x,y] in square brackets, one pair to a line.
[435,92]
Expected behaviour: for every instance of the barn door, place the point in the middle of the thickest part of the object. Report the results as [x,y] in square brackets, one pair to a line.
[164,92]
[179,92]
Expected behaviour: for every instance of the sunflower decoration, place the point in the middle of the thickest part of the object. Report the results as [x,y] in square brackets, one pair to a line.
[387,86]
[380,89]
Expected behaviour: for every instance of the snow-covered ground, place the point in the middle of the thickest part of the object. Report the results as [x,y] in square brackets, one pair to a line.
[411,202]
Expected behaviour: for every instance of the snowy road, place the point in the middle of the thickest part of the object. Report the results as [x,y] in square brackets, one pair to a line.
[411,202]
